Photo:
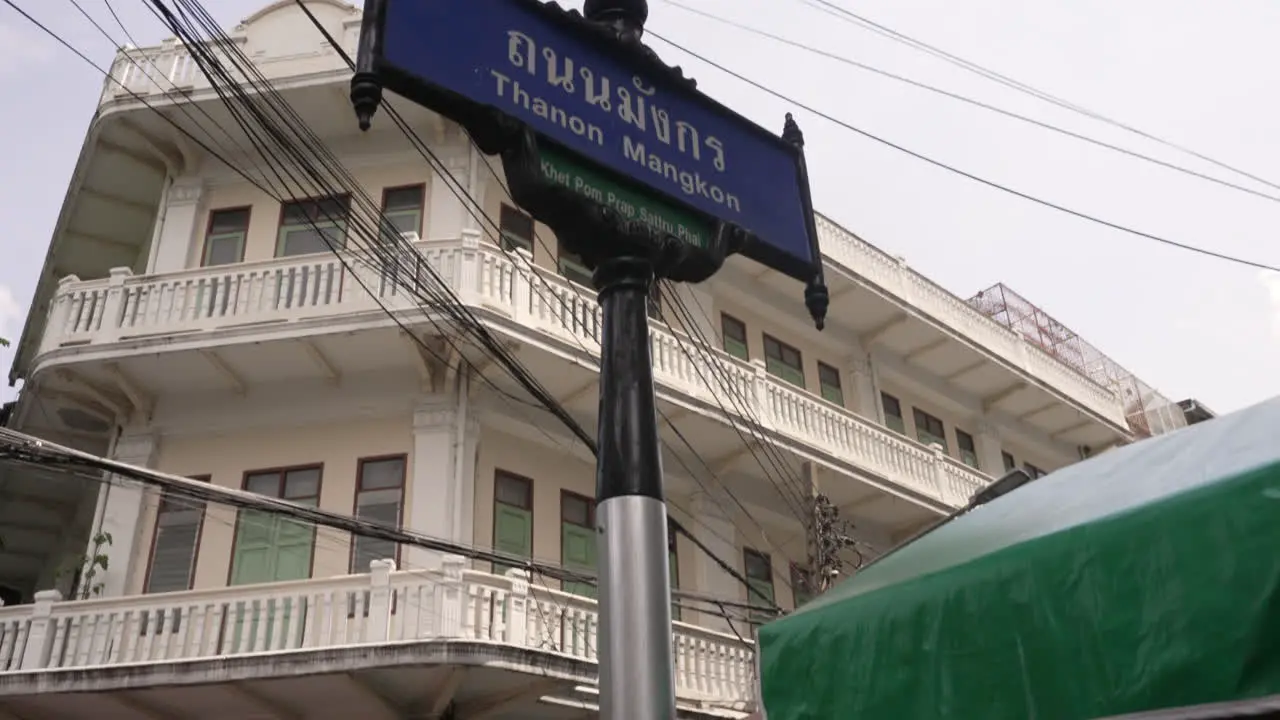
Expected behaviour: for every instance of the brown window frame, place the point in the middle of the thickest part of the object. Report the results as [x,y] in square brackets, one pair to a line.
[823,384]
[155,537]
[800,586]
[591,508]
[208,233]
[1010,463]
[767,558]
[885,401]
[918,415]
[505,236]
[281,471]
[726,321]
[422,202]
[783,348]
[344,198]
[355,501]
[499,473]
[961,436]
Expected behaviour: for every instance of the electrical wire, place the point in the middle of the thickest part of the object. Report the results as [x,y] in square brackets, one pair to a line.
[964,173]
[212,29]
[853,18]
[845,60]
[474,209]
[248,178]
[30,451]
[269,193]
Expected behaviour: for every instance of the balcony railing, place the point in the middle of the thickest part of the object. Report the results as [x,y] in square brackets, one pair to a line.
[288,296]
[380,607]
[892,276]
[170,67]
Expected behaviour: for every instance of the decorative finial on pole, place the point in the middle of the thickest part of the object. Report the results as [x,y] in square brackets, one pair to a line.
[627,17]
[816,296]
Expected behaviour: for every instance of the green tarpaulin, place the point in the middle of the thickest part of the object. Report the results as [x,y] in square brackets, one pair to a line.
[1147,577]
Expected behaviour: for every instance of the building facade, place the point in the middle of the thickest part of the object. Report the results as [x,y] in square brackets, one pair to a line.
[186,321]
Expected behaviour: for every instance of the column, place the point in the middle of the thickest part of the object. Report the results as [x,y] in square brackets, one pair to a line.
[179,237]
[715,529]
[866,399]
[446,215]
[120,504]
[442,476]
[990,460]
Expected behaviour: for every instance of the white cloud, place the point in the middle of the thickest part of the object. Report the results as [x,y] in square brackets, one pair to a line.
[1271,281]
[20,50]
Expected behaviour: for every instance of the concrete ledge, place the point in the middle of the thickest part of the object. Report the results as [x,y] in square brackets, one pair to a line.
[298,663]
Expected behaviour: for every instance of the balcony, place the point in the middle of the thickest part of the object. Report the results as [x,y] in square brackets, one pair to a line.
[512,628]
[123,318]
[891,277]
[168,68]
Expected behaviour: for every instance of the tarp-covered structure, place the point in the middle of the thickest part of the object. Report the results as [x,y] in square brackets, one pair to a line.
[1147,577]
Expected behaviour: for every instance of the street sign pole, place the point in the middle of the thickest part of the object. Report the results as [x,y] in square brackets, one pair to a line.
[642,177]
[637,674]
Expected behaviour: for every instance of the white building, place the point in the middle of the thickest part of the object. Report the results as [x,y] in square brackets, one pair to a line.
[182,325]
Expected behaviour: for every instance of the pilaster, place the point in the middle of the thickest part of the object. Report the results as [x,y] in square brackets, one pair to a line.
[988,445]
[447,216]
[179,229]
[866,397]
[442,478]
[715,528]
[120,514]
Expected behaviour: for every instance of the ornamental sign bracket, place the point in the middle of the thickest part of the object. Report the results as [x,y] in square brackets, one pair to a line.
[614,150]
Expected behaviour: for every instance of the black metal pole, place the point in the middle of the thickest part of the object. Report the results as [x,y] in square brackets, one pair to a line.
[634,648]
[637,676]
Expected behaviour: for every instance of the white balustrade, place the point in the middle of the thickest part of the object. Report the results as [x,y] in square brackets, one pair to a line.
[268,296]
[379,607]
[15,624]
[161,69]
[891,275]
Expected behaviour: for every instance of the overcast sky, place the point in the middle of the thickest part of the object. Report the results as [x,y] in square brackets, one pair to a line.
[1191,71]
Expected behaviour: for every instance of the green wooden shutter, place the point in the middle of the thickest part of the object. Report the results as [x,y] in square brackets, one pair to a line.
[578,553]
[513,533]
[254,561]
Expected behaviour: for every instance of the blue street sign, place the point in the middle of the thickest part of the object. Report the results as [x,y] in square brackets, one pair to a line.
[614,109]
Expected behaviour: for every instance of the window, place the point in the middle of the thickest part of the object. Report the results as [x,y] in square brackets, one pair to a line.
[578,540]
[968,450]
[516,229]
[654,307]
[1033,471]
[893,413]
[800,588]
[758,568]
[512,516]
[829,384]
[929,429]
[572,269]
[783,361]
[173,547]
[297,485]
[1009,462]
[379,499]
[312,226]
[734,333]
[402,207]
[270,547]
[224,242]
